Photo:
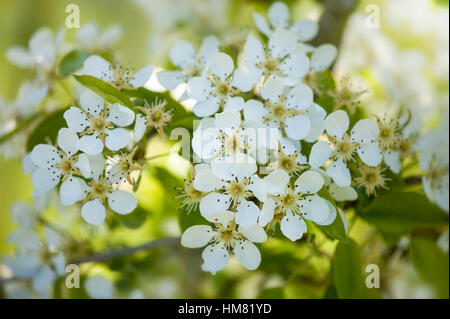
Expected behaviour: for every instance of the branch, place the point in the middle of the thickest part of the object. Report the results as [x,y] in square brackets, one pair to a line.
[333,20]
[169,241]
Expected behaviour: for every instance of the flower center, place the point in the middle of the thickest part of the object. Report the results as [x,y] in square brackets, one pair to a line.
[238,190]
[344,149]
[371,178]
[435,174]
[67,166]
[190,197]
[98,189]
[223,89]
[270,66]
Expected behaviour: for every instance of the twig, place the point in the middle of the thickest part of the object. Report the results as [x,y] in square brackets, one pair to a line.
[169,241]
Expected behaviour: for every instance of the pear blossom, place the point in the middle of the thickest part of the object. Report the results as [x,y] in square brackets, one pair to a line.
[99,124]
[342,147]
[215,89]
[99,191]
[230,192]
[154,116]
[290,109]
[191,64]
[281,61]
[116,75]
[60,164]
[225,237]
[42,53]
[279,18]
[90,37]
[290,206]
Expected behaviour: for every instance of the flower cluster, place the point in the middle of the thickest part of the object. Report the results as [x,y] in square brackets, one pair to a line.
[268,154]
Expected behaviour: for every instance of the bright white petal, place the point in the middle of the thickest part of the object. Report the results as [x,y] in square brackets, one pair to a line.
[340,173]
[323,57]
[392,160]
[70,191]
[68,140]
[182,54]
[20,57]
[254,111]
[221,65]
[247,214]
[120,115]
[297,127]
[221,217]
[45,179]
[342,193]
[76,119]
[258,187]
[253,50]
[207,107]
[279,15]
[305,29]
[44,155]
[92,103]
[122,202]
[215,258]
[139,128]
[365,131]
[210,46]
[141,77]
[370,153]
[234,103]
[254,233]
[310,182]
[248,254]
[93,212]
[243,80]
[295,66]
[276,182]
[90,144]
[267,210]
[27,164]
[320,154]
[314,208]
[170,79]
[197,236]
[214,202]
[199,88]
[272,90]
[229,119]
[292,226]
[336,123]
[261,24]
[282,43]
[300,97]
[98,67]
[331,215]
[206,181]
[117,139]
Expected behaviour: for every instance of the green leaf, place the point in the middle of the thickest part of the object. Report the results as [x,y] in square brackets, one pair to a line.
[348,270]
[431,263]
[330,293]
[336,230]
[186,220]
[72,61]
[47,129]
[399,212]
[134,219]
[105,90]
[271,293]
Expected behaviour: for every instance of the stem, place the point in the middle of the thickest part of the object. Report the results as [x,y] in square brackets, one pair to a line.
[157,243]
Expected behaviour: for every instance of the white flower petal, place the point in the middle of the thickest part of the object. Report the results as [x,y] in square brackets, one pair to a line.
[139,128]
[272,90]
[295,66]
[254,111]
[253,50]
[122,202]
[297,127]
[214,202]
[221,65]
[340,173]
[342,193]
[197,236]
[254,233]
[76,119]
[305,29]
[45,179]
[210,46]
[331,215]
[96,165]
[170,79]
[215,258]
[93,212]
[323,57]
[261,24]
[258,187]
[120,115]
[247,214]
[20,57]
[310,182]
[98,67]
[99,287]
[228,120]
[266,214]
[92,103]
[276,182]
[45,155]
[320,154]
[282,43]
[316,115]
[392,160]
[314,208]
[27,164]
[182,54]
[68,140]
[336,123]
[300,97]
[199,88]
[206,181]
[234,103]
[243,80]
[238,165]
[117,139]
[248,254]
[279,15]
[90,144]
[141,77]
[292,226]
[221,217]
[370,153]
[365,131]
[207,107]
[70,191]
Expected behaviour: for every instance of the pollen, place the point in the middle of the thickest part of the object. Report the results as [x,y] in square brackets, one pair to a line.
[238,190]
[343,148]
[371,178]
[347,95]
[389,136]
[156,115]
